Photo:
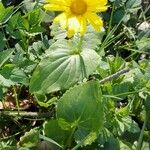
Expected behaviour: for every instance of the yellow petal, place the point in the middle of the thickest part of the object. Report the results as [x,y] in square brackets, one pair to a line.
[97,9]
[95,21]
[96,2]
[70,33]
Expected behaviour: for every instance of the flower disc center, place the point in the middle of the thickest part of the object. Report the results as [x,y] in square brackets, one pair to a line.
[78,7]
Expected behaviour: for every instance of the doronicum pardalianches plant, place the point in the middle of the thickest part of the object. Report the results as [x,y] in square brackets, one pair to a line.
[74,57]
[64,81]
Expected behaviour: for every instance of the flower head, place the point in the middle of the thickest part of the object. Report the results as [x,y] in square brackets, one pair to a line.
[76,14]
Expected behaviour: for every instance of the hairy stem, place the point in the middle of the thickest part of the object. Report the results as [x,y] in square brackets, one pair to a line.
[115,75]
[27,114]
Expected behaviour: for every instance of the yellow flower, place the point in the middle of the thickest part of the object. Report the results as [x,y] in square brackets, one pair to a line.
[76,14]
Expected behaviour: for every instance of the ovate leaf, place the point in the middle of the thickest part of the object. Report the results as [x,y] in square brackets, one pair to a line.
[63,67]
[53,131]
[82,108]
[4,56]
[5,82]
[5,13]
[133,5]
[13,73]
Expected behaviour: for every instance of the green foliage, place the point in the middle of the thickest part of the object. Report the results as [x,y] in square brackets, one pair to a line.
[50,91]
[84,106]
[53,131]
[63,66]
[30,138]
[5,13]
[82,123]
[4,56]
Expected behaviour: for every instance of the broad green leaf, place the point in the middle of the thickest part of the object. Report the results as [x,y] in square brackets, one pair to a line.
[126,124]
[5,82]
[34,17]
[133,5]
[13,73]
[12,23]
[63,67]
[121,88]
[30,138]
[5,13]
[82,107]
[4,56]
[118,15]
[19,76]
[23,23]
[53,131]
[107,139]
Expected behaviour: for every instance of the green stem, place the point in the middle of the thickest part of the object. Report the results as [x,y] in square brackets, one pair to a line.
[16,98]
[80,44]
[111,18]
[140,141]
[115,75]
[69,141]
[78,145]
[26,114]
